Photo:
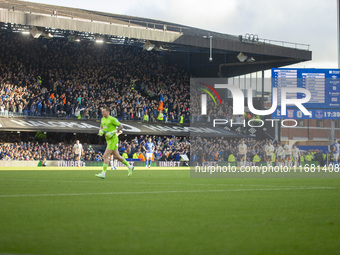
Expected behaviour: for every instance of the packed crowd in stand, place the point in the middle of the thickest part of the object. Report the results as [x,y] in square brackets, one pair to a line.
[57,78]
[166,149]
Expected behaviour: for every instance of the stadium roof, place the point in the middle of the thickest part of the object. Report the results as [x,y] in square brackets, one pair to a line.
[183,45]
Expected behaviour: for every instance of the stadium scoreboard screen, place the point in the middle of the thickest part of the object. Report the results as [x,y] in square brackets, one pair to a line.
[323,84]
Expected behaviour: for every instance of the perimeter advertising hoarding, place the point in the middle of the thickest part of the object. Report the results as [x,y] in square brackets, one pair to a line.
[92,127]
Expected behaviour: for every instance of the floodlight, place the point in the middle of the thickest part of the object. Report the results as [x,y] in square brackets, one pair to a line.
[148,46]
[36,33]
[242,57]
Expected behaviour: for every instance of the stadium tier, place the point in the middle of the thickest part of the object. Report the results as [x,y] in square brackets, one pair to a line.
[60,79]
[131,147]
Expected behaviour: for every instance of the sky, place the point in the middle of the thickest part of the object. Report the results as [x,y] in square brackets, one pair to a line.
[300,21]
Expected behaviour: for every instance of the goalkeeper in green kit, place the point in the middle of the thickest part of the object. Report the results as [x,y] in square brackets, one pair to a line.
[111,128]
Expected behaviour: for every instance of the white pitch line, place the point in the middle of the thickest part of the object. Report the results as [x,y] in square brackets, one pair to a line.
[15,254]
[154,192]
[163,183]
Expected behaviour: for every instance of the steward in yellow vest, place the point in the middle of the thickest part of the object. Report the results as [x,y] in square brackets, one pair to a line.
[231,158]
[256,158]
[160,116]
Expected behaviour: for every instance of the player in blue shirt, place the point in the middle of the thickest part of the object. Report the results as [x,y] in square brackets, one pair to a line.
[336,148]
[149,148]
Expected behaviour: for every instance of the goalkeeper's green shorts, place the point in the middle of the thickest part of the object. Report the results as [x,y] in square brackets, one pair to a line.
[112,144]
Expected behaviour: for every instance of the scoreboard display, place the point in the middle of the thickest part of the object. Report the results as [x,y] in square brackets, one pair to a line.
[323,84]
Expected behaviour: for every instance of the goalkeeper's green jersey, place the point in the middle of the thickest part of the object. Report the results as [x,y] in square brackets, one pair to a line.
[109,124]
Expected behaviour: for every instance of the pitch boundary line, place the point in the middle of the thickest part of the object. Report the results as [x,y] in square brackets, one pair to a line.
[156,192]
[165,183]
[15,254]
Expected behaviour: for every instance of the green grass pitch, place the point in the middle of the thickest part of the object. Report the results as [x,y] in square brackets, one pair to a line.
[165,212]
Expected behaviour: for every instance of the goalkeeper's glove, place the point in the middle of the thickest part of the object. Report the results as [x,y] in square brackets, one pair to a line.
[109,135]
[101,132]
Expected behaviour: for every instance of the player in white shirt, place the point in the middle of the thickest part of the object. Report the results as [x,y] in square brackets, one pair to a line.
[280,153]
[78,151]
[296,155]
[114,162]
[288,154]
[243,149]
[335,148]
[269,149]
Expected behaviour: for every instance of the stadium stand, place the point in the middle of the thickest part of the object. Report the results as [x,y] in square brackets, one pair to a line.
[57,78]
[167,149]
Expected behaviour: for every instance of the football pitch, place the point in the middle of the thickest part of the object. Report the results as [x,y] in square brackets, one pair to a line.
[165,212]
